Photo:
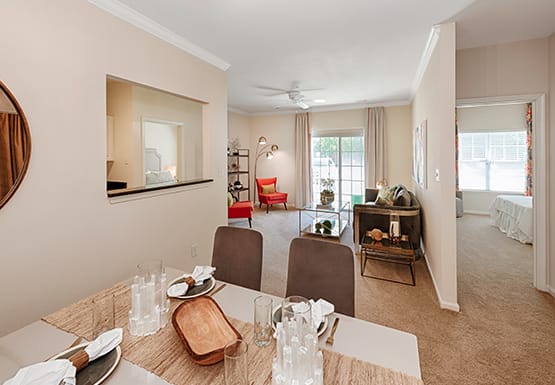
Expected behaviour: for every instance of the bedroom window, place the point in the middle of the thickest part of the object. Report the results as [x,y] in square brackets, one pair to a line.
[493,161]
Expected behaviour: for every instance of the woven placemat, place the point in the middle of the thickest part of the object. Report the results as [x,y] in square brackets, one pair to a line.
[164,354]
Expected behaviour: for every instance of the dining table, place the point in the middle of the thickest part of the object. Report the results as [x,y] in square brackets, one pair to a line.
[366,341]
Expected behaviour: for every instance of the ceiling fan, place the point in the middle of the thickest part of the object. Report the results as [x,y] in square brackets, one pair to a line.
[295,95]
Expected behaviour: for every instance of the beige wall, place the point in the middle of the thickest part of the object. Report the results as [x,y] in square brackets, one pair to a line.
[398,123]
[61,238]
[280,129]
[501,70]
[435,102]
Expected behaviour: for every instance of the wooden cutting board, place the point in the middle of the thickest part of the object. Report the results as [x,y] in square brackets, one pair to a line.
[204,329]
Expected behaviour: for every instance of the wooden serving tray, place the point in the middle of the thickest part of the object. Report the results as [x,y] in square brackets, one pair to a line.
[204,329]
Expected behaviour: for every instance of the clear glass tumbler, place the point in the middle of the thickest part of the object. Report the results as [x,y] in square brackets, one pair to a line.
[236,363]
[298,311]
[103,315]
[262,320]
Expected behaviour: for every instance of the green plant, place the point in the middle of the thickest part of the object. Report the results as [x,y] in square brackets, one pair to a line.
[327,184]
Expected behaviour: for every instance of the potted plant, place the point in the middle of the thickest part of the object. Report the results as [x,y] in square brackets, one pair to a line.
[327,195]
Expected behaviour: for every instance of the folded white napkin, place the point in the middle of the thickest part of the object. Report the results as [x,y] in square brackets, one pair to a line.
[320,309]
[62,371]
[200,274]
[45,373]
[104,344]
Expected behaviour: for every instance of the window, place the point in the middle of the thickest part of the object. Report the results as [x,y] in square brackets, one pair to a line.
[493,161]
[341,158]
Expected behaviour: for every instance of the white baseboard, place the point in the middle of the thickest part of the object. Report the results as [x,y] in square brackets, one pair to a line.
[472,212]
[551,291]
[442,303]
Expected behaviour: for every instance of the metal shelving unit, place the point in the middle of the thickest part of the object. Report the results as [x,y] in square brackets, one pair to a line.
[238,166]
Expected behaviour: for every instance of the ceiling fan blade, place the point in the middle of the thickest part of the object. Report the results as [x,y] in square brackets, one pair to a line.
[272,89]
[276,94]
[309,89]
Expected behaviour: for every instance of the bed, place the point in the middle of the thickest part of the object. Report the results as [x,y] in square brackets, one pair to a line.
[513,214]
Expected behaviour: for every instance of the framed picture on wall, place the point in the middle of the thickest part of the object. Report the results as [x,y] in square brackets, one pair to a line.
[419,139]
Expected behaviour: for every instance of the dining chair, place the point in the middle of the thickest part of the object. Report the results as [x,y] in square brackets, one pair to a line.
[321,269]
[237,256]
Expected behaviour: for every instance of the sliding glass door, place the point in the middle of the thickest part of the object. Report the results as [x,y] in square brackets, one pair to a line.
[341,158]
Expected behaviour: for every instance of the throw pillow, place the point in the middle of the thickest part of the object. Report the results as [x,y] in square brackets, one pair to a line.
[268,189]
[229,199]
[385,196]
[403,198]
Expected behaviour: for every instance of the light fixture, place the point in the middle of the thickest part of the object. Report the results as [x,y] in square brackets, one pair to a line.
[262,149]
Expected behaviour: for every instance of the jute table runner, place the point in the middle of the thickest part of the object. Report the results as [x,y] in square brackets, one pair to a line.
[164,354]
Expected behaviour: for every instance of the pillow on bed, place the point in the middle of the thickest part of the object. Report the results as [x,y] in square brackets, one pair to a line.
[154,177]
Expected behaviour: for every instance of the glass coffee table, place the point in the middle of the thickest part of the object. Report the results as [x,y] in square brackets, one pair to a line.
[324,220]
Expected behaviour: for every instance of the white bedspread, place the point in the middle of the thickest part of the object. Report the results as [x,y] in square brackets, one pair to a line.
[513,215]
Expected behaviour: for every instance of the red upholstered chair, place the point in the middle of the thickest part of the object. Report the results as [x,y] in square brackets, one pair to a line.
[270,198]
[242,209]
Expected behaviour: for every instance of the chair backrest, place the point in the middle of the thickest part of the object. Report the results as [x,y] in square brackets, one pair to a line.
[264,182]
[321,269]
[237,256]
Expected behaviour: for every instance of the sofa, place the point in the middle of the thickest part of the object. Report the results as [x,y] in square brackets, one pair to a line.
[372,214]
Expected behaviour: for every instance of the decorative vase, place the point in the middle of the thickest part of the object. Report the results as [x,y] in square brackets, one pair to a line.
[327,197]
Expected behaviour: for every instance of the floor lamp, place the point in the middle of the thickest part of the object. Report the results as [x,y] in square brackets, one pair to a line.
[262,148]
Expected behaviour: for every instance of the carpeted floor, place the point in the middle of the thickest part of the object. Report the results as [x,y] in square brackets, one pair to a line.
[505,332]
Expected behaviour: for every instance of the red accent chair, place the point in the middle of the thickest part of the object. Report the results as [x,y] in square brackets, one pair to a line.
[271,198]
[242,209]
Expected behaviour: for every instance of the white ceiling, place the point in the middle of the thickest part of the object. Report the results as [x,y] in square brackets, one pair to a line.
[355,51]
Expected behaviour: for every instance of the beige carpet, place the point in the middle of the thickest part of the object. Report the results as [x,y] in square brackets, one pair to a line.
[505,332]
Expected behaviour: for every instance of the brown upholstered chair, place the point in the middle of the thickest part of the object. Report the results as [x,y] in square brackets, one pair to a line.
[320,269]
[237,256]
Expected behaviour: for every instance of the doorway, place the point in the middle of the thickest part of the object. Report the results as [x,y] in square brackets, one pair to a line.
[538,172]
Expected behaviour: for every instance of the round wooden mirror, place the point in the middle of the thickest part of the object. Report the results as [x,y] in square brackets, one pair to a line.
[15,144]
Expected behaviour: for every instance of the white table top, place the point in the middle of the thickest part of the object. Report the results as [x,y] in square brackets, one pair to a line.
[366,341]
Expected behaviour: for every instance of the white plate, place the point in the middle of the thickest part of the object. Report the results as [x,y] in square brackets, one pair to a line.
[97,371]
[321,329]
[195,291]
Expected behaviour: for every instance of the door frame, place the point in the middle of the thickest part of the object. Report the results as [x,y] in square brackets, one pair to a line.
[539,176]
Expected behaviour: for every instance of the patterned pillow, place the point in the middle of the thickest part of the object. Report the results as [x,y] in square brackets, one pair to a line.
[268,189]
[229,199]
[385,196]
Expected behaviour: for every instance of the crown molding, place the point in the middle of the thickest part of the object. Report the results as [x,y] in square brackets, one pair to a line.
[237,111]
[139,20]
[330,108]
[425,59]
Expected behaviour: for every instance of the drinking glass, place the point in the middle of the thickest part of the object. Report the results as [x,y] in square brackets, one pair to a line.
[262,320]
[296,307]
[236,363]
[103,315]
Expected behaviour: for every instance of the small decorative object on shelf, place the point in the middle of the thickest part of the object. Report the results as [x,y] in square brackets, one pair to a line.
[237,185]
[327,195]
[234,145]
[376,235]
[394,228]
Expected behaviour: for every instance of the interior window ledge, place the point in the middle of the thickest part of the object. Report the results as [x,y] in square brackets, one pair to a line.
[125,195]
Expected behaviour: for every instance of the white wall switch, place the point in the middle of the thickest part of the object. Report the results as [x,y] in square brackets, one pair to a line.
[194,250]
[437,174]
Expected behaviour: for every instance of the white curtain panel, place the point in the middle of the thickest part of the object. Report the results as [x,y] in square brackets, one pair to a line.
[375,157]
[303,193]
